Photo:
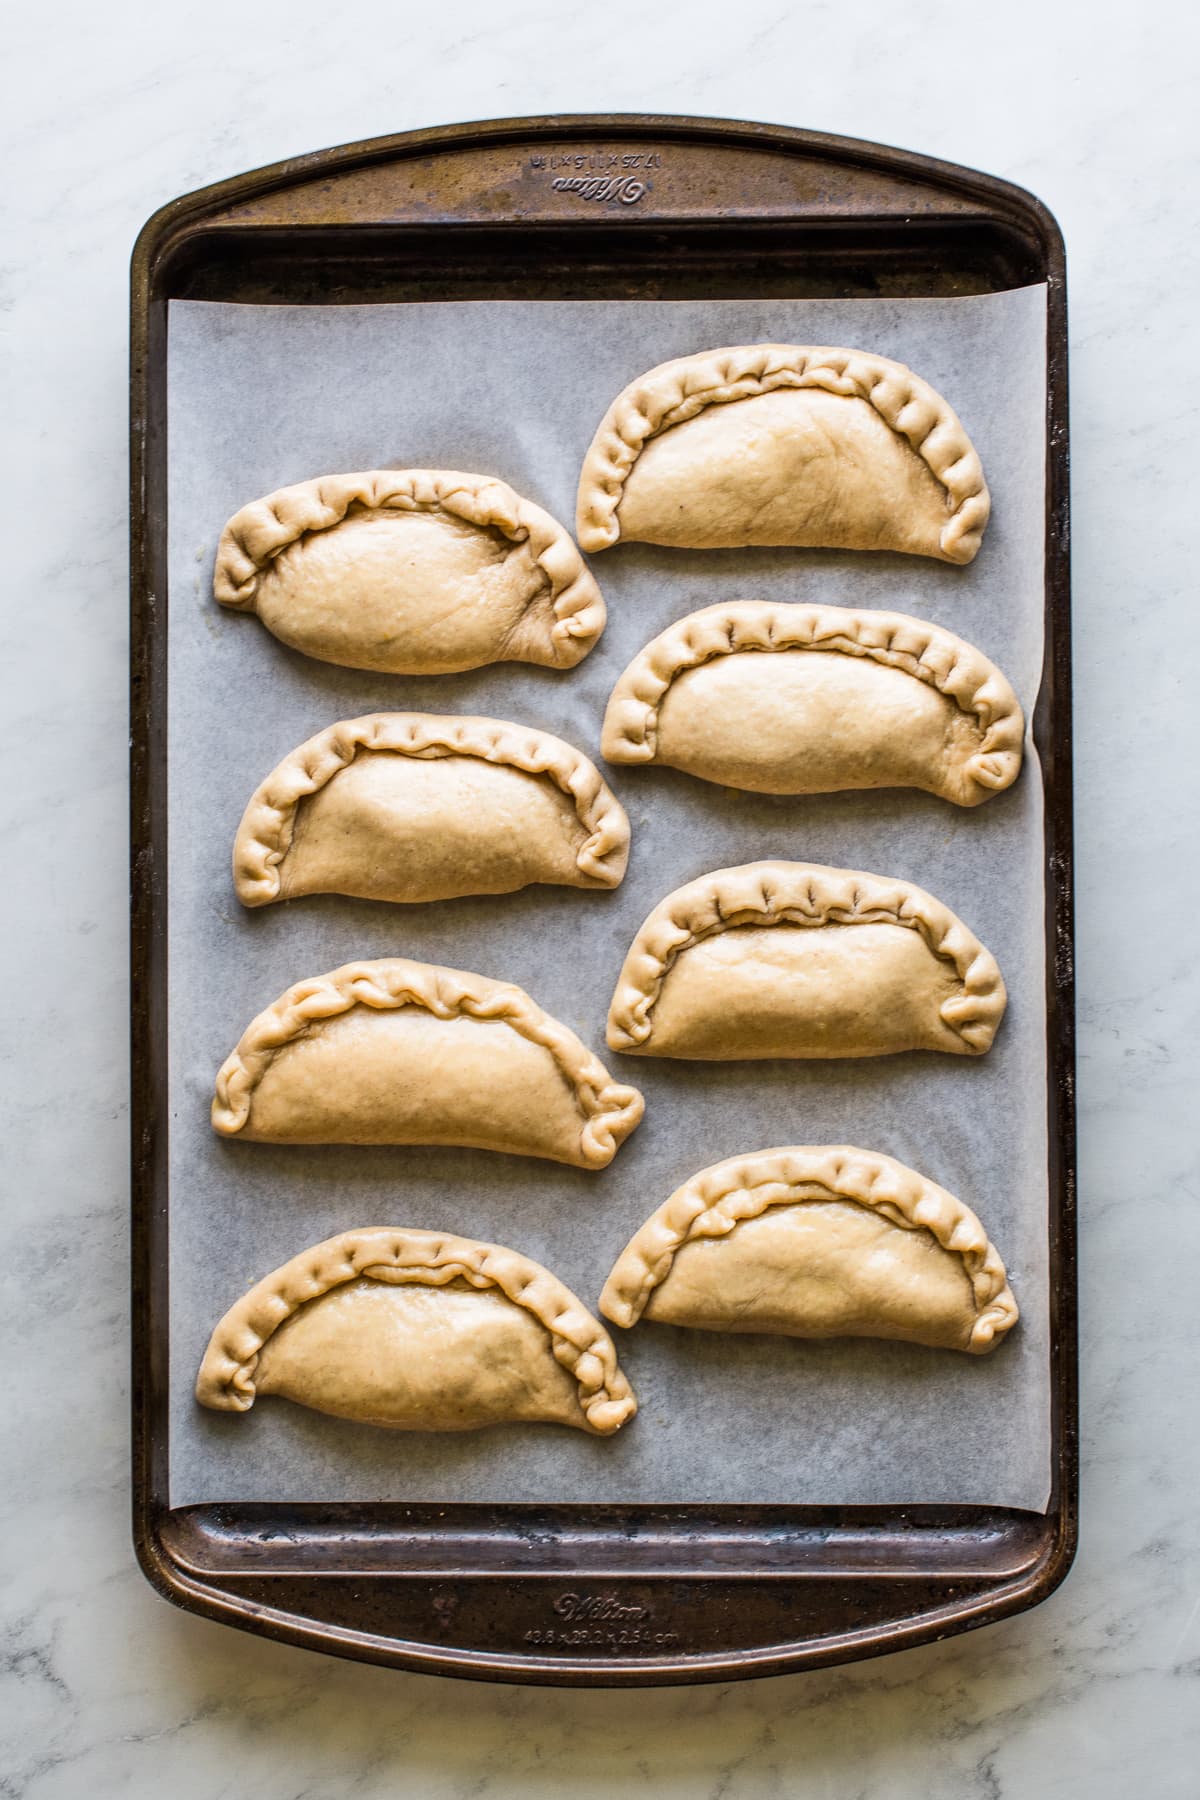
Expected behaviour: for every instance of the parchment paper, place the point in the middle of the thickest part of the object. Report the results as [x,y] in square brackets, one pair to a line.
[263,396]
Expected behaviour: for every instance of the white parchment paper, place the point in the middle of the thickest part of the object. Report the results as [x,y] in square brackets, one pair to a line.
[263,396]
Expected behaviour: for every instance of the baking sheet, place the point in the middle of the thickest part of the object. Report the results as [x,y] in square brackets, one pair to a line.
[263,396]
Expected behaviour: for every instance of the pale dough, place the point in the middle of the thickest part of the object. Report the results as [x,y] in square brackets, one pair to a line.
[410,572]
[783,444]
[399,1052]
[780,699]
[418,807]
[786,959]
[825,1241]
[420,1331]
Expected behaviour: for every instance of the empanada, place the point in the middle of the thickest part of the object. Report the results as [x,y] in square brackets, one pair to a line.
[412,806]
[410,572]
[815,1243]
[783,444]
[421,1331]
[814,699]
[792,959]
[398,1052]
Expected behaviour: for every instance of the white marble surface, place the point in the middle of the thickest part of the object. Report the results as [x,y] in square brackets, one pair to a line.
[113,110]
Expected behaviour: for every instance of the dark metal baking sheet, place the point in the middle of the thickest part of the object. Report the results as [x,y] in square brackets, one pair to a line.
[630,208]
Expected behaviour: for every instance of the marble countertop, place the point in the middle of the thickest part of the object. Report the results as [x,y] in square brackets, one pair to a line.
[103,1688]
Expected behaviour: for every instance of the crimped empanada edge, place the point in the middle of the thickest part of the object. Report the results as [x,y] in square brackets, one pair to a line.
[263,529]
[609,1109]
[777,893]
[676,391]
[579,1342]
[929,653]
[717,1199]
[265,833]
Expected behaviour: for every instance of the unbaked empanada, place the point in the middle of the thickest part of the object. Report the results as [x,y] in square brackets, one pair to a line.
[816,1243]
[783,444]
[420,1331]
[412,806]
[398,1052]
[813,699]
[792,959]
[410,572]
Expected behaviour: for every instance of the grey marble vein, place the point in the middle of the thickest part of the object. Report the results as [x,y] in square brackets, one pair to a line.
[103,1689]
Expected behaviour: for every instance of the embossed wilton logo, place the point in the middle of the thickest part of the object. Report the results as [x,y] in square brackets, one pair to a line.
[601,1622]
[604,1608]
[602,187]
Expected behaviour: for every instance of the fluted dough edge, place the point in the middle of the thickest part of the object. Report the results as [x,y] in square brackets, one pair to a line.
[262,530]
[431,1258]
[927,652]
[265,833]
[676,391]
[713,1202]
[610,1110]
[779,893]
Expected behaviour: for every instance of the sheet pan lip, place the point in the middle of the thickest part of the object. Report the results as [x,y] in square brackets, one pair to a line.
[192,214]
[190,209]
[182,1586]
